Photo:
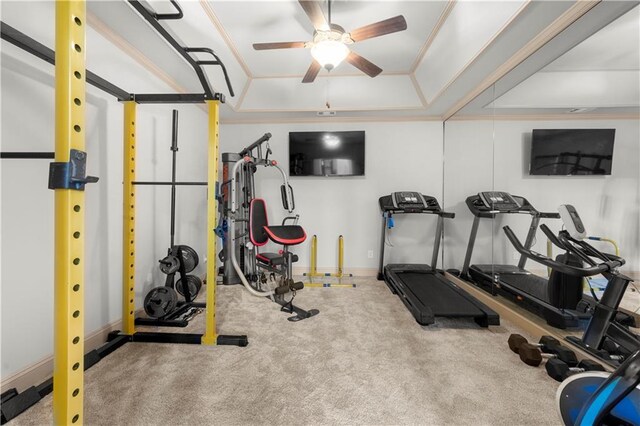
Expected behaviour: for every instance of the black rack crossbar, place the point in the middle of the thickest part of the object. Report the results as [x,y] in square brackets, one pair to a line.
[172,98]
[38,49]
[26,155]
[152,183]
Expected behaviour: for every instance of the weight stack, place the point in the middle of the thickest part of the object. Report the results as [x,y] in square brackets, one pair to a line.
[229,276]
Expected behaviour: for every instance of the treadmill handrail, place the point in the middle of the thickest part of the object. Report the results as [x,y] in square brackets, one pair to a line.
[561,267]
[547,215]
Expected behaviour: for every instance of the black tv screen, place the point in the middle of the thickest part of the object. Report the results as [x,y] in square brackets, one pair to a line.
[569,152]
[326,153]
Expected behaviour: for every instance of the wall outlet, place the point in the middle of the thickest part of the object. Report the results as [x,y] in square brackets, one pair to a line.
[370,254]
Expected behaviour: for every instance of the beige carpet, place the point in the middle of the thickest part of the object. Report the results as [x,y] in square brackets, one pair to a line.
[363,360]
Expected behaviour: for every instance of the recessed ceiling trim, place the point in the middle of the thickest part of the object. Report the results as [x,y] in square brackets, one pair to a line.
[334,119]
[558,25]
[326,75]
[542,117]
[225,36]
[416,86]
[132,52]
[394,108]
[502,29]
[245,89]
[436,29]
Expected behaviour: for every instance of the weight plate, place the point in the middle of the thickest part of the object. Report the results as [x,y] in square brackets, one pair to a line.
[194,283]
[169,264]
[160,302]
[189,258]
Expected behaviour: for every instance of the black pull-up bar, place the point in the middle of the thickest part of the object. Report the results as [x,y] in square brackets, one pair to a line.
[178,15]
[216,62]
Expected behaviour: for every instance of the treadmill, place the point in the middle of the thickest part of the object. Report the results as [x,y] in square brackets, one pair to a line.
[554,298]
[426,293]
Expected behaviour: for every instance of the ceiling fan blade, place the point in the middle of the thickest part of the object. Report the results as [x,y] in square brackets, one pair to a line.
[281,45]
[314,12]
[312,72]
[378,29]
[367,67]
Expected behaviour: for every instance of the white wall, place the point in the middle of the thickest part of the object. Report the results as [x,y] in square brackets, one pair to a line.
[608,205]
[400,156]
[27,205]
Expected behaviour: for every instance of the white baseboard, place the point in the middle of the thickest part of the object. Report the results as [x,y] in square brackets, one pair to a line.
[43,369]
[356,272]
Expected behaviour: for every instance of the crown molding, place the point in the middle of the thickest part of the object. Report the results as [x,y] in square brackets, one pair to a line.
[502,29]
[560,24]
[335,119]
[225,36]
[436,29]
[544,117]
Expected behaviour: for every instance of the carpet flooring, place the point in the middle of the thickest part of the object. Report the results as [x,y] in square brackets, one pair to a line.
[362,360]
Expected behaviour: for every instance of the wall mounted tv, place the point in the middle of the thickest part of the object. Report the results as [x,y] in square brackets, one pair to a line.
[570,152]
[326,153]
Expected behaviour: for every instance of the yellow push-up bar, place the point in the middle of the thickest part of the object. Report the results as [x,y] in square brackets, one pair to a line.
[313,273]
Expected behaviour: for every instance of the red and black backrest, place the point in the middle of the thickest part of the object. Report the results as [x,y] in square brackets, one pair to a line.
[257,221]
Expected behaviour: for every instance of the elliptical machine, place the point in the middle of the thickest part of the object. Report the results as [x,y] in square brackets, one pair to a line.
[604,337]
[245,228]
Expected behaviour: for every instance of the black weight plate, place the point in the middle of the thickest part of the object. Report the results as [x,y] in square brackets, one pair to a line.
[195,284]
[190,258]
[169,264]
[160,302]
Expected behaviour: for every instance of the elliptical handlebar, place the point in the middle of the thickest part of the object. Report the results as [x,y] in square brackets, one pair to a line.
[608,265]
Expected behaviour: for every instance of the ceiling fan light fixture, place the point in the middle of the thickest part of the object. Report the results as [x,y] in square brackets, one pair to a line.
[329,53]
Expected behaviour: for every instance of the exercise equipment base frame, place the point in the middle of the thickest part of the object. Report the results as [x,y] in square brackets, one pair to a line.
[171,320]
[423,313]
[555,317]
[14,403]
[290,308]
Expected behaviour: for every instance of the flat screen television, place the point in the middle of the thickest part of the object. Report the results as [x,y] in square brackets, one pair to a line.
[570,152]
[326,153]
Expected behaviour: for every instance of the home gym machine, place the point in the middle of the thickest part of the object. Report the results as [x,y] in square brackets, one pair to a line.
[555,299]
[244,228]
[161,303]
[422,288]
[604,336]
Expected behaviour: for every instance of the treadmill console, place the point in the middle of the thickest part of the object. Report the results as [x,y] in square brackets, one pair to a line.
[572,221]
[501,201]
[408,202]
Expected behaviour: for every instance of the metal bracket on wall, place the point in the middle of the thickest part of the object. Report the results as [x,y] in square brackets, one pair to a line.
[71,174]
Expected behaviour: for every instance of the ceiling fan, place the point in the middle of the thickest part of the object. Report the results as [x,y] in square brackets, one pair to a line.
[329,46]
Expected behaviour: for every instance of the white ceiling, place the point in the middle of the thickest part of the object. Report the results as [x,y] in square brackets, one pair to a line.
[601,72]
[263,21]
[448,51]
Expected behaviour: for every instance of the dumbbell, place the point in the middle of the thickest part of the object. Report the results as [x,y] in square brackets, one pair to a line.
[602,353]
[533,356]
[559,370]
[517,340]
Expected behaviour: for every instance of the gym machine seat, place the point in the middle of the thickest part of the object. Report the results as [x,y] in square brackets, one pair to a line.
[260,233]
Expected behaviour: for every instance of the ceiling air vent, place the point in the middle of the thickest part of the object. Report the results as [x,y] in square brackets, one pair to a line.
[326,113]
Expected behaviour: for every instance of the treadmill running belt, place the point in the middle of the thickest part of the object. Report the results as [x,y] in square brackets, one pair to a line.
[433,291]
[530,284]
